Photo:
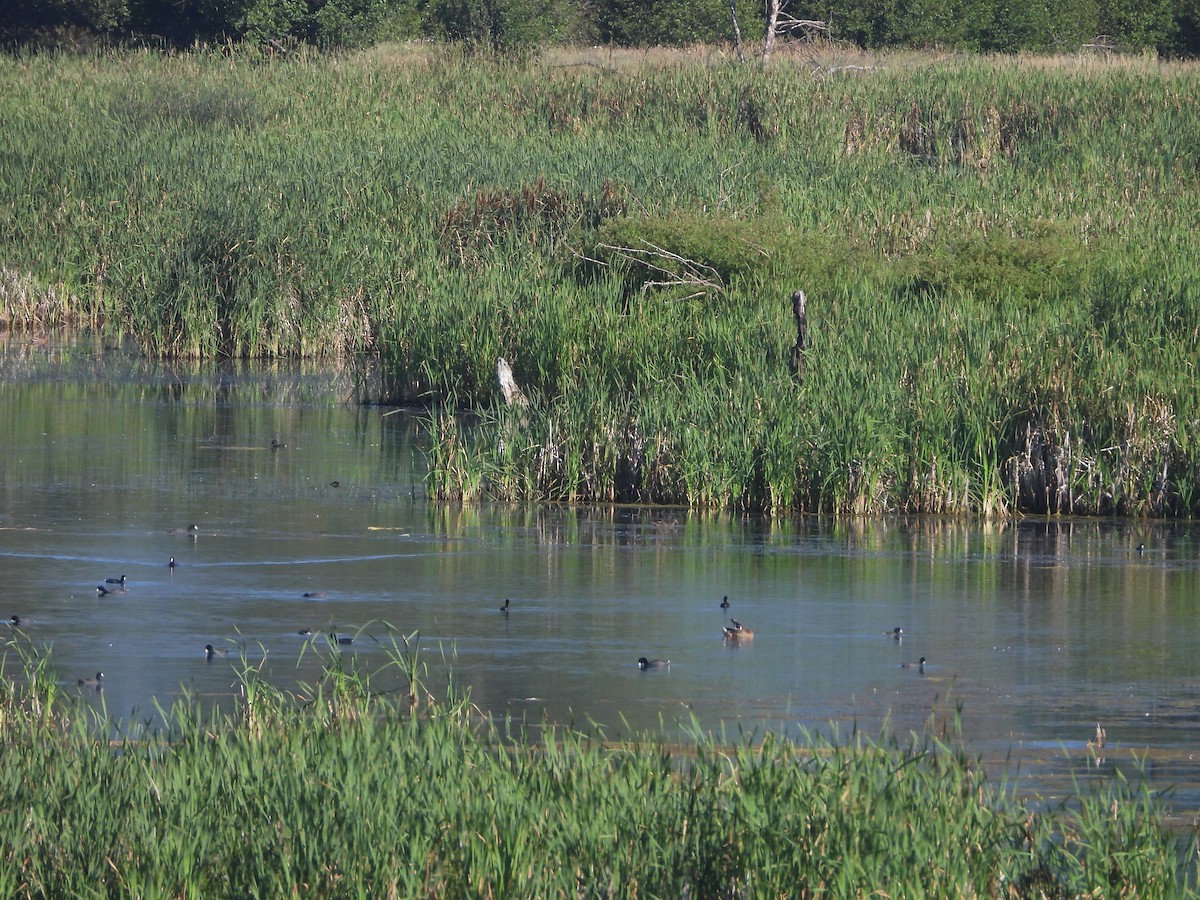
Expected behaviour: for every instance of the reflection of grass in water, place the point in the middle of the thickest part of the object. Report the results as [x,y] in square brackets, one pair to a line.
[365,783]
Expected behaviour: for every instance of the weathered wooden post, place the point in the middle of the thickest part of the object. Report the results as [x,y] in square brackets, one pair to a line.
[800,314]
[508,384]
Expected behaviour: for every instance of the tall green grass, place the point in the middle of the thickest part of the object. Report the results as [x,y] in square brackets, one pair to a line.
[1004,303]
[365,784]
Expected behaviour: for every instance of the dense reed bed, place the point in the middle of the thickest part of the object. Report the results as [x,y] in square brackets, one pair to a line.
[364,784]
[998,254]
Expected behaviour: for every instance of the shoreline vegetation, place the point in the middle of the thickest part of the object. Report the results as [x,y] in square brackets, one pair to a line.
[998,255]
[292,791]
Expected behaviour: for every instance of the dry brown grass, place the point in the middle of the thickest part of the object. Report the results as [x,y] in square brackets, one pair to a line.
[822,56]
[27,304]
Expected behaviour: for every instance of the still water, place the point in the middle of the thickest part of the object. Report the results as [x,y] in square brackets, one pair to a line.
[1036,630]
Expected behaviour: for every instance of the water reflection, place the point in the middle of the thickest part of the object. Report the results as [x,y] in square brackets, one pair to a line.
[1035,631]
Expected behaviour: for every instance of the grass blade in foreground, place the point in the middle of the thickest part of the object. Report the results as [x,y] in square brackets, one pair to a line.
[358,786]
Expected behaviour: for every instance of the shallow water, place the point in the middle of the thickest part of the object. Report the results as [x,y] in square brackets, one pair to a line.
[1037,631]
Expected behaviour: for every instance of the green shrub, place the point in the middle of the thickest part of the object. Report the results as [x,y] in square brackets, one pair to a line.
[1041,265]
[694,249]
[502,25]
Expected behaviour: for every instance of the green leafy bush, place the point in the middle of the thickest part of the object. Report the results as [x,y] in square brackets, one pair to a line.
[689,246]
[502,25]
[1043,263]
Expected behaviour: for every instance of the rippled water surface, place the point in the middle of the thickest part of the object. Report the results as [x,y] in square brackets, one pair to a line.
[1036,630]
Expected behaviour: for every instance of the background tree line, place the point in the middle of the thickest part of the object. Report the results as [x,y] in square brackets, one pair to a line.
[1170,27]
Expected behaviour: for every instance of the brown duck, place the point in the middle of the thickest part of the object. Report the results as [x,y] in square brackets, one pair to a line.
[737,631]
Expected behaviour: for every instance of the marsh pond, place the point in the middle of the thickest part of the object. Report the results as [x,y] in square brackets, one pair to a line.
[1034,632]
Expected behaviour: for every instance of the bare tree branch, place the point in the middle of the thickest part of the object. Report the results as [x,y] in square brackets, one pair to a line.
[781,22]
[737,32]
[657,259]
[809,27]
